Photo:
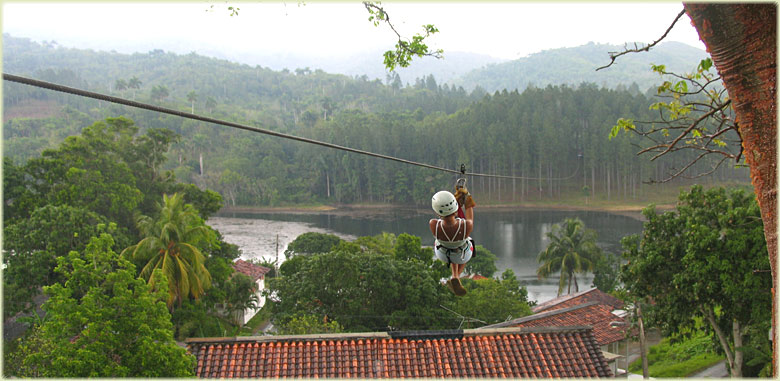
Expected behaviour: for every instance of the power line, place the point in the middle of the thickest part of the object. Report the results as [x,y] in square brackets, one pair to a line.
[146,106]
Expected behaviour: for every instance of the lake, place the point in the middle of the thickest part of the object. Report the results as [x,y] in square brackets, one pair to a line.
[516,236]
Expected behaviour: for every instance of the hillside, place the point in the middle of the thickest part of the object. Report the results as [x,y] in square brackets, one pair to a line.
[573,66]
[369,63]
[537,134]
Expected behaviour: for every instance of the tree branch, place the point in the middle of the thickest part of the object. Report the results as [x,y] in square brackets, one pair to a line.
[691,127]
[614,55]
[404,49]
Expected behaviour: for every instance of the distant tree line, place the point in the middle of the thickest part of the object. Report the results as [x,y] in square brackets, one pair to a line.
[542,134]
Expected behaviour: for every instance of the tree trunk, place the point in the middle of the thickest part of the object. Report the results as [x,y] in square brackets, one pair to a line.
[642,342]
[327,183]
[738,355]
[724,341]
[742,39]
[540,180]
[200,161]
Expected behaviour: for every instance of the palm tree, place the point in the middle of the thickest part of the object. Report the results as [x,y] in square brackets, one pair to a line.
[120,85]
[134,83]
[240,296]
[192,96]
[572,250]
[170,244]
[160,92]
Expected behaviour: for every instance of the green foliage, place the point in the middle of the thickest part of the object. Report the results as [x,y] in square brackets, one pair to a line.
[395,287]
[103,322]
[381,243]
[408,247]
[311,243]
[170,244]
[302,324]
[572,250]
[622,124]
[193,319]
[404,49]
[31,248]
[493,301]
[606,271]
[483,262]
[240,296]
[696,107]
[680,358]
[699,262]
[363,291]
[206,202]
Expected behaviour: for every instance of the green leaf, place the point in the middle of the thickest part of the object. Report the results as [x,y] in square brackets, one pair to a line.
[625,124]
[681,87]
[705,64]
[660,69]
[614,131]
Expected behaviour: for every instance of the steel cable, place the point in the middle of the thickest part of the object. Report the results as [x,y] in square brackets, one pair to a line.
[146,106]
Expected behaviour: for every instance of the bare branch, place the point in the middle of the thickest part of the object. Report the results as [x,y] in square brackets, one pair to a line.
[614,55]
[679,173]
[692,126]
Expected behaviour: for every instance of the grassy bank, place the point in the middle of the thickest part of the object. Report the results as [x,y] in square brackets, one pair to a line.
[680,359]
[664,198]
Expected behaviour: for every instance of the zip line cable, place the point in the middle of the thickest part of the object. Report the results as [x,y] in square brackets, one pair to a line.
[146,106]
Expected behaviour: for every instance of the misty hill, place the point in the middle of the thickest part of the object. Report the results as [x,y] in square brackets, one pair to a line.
[573,66]
[370,64]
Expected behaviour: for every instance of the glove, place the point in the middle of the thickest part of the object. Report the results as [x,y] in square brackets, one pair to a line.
[463,197]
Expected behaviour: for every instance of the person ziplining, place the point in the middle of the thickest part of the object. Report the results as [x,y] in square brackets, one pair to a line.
[452,233]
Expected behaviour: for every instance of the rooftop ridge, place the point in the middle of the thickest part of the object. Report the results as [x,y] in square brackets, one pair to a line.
[540,315]
[409,335]
[561,299]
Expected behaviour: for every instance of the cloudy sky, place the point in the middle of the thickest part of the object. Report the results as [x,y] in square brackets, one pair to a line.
[506,30]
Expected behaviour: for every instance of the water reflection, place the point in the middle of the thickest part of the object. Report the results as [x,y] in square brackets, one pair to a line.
[515,237]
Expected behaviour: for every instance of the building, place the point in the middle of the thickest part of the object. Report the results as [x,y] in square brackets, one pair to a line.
[589,295]
[257,274]
[504,352]
[592,308]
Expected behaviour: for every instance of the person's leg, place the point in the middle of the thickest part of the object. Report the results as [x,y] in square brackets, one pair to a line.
[459,269]
[454,269]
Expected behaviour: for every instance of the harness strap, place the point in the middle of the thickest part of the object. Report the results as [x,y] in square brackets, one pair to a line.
[440,223]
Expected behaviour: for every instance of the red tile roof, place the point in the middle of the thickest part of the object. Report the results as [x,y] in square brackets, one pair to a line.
[591,295]
[507,352]
[250,269]
[590,314]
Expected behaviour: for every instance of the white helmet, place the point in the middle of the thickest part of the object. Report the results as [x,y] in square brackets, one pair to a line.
[444,203]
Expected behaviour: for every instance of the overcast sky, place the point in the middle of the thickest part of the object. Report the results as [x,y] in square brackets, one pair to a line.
[506,30]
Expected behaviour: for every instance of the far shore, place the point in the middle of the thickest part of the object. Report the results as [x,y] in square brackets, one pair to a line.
[367,210]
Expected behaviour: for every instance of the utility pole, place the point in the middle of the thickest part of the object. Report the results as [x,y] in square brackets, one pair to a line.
[642,342]
[276,262]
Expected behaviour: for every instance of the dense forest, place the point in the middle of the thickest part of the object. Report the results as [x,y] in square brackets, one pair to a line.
[555,137]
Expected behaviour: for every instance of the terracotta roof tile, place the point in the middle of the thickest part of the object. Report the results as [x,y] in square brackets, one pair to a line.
[582,297]
[591,314]
[250,269]
[505,352]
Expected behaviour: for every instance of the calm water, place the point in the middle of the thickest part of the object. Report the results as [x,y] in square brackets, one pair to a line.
[515,237]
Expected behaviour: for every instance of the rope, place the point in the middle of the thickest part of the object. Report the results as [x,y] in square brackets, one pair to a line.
[146,106]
